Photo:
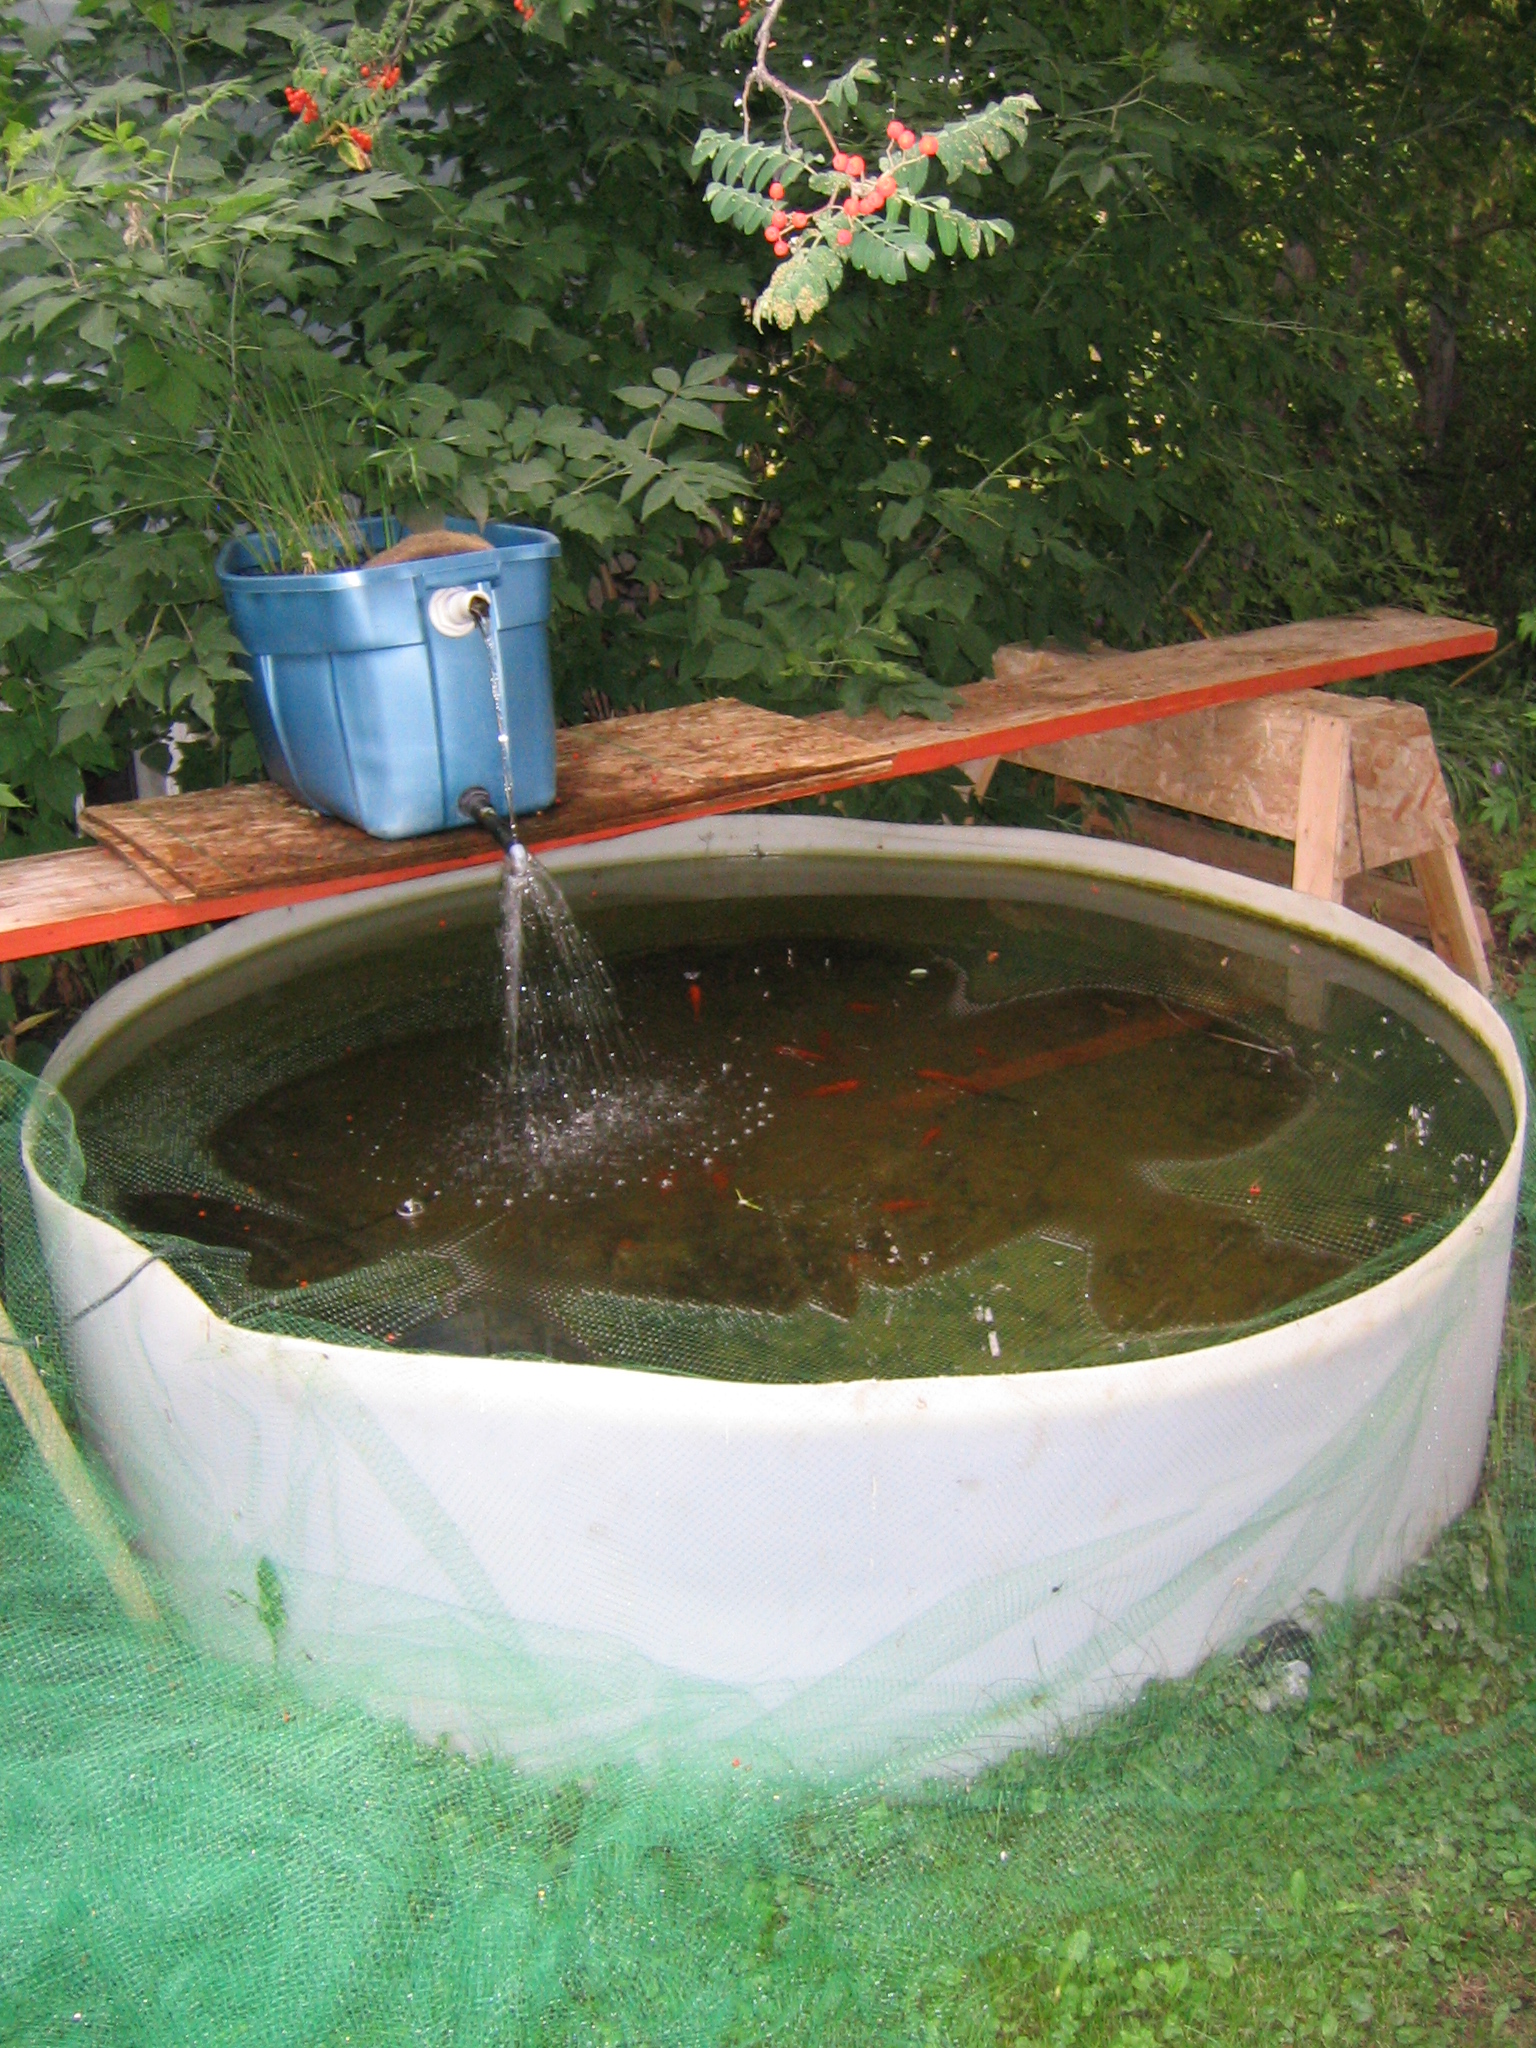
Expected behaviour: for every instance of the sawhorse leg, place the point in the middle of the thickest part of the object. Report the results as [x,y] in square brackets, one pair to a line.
[1452,920]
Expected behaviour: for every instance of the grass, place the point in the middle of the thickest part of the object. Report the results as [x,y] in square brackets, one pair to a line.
[1376,1883]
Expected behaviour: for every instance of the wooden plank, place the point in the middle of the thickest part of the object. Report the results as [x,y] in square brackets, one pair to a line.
[22,1381]
[1323,808]
[617,776]
[1397,904]
[226,841]
[1035,697]
[1032,699]
[627,773]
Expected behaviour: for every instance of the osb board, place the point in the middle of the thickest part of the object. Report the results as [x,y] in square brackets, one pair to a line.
[1035,697]
[52,902]
[213,845]
[223,842]
[633,771]
[1242,763]
[84,882]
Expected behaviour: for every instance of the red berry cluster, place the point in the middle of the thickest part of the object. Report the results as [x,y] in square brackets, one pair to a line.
[524,8]
[783,224]
[362,138]
[875,194]
[384,79]
[744,12]
[301,104]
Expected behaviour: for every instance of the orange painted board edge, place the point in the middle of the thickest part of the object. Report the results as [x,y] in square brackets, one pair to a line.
[24,942]
[162,914]
[1073,725]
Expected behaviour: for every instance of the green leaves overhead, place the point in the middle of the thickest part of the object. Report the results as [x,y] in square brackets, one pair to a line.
[875,219]
[1218,247]
[740,163]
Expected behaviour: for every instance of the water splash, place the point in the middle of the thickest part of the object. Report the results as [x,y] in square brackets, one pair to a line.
[565,1038]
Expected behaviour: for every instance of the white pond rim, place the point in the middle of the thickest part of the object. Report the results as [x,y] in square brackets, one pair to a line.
[576,1564]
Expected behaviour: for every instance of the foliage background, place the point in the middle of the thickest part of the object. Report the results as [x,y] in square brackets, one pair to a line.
[1270,283]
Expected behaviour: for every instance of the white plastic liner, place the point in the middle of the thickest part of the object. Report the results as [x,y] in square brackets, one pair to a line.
[568,1562]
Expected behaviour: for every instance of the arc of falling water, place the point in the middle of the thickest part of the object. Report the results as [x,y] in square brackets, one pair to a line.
[576,1025]
[483,610]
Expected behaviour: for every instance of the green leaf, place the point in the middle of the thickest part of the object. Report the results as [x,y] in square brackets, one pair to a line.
[799,288]
[900,519]
[271,1608]
[971,145]
[175,398]
[1184,65]
[687,412]
[709,370]
[908,477]
[99,328]
[842,93]
[869,561]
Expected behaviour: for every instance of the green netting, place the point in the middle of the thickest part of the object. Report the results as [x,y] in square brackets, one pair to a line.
[1358,1179]
[1330,1836]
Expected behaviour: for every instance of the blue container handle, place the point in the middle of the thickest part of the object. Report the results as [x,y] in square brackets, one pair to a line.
[440,569]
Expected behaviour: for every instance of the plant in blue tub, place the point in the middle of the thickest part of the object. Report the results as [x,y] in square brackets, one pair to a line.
[366,708]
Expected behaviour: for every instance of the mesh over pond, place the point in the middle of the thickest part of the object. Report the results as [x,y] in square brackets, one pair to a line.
[857,1135]
[204,1846]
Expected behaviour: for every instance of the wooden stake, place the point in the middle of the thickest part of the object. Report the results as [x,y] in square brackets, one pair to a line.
[58,1453]
[1322,809]
[1452,914]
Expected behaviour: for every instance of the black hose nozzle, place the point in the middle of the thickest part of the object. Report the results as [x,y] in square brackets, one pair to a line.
[475,804]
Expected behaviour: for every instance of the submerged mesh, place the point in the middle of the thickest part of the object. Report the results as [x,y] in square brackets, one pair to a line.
[204,1850]
[1318,1185]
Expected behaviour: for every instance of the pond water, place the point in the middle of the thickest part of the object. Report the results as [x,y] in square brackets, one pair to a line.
[863,1134]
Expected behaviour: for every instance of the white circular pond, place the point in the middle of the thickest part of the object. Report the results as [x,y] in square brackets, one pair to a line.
[569,1559]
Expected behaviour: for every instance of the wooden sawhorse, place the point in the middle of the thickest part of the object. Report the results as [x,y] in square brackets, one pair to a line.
[1353,782]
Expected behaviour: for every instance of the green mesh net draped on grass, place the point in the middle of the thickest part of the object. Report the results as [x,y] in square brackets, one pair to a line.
[201,1852]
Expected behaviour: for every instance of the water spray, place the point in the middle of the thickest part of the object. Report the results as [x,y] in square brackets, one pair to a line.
[563,1026]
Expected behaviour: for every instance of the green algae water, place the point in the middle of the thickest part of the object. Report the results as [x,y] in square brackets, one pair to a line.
[864,1134]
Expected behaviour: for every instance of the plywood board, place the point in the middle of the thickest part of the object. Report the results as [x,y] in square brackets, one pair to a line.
[255,850]
[1034,697]
[1323,806]
[619,775]
[628,772]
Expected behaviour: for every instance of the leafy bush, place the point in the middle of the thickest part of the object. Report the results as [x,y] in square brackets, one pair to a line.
[504,249]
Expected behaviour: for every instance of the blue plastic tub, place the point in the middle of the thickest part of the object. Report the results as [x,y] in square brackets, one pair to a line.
[363,709]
